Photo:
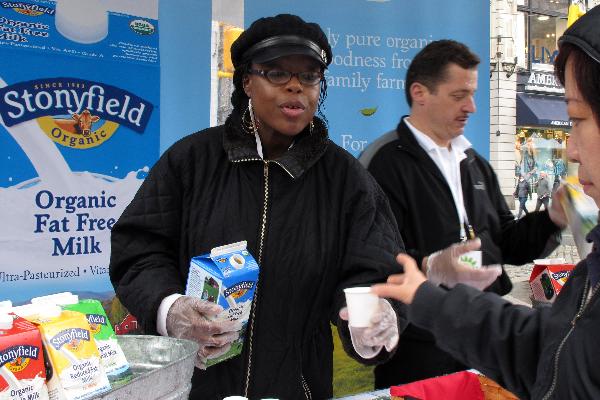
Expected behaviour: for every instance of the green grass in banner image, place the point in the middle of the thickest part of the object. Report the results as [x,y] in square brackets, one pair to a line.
[349,376]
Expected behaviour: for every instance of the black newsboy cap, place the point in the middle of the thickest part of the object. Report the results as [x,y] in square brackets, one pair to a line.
[585,33]
[282,35]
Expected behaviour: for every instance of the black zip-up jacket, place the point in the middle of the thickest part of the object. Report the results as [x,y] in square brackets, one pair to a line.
[314,219]
[545,353]
[428,221]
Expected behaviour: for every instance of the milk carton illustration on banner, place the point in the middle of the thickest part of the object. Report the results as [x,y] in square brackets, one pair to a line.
[226,276]
[79,130]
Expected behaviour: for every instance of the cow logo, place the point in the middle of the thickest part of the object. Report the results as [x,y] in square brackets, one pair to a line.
[142,27]
[72,112]
[18,365]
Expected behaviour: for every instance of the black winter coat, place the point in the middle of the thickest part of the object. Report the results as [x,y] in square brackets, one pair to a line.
[314,219]
[545,353]
[428,221]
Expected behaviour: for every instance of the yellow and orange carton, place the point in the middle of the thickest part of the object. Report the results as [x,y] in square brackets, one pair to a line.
[77,371]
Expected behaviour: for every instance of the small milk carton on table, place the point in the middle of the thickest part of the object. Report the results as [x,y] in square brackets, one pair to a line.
[77,373]
[111,355]
[227,276]
[22,369]
[548,278]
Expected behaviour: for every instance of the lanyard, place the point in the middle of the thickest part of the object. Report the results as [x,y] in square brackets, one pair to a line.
[454,181]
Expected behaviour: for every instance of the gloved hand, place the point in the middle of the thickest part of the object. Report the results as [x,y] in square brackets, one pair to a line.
[383,332]
[188,318]
[443,267]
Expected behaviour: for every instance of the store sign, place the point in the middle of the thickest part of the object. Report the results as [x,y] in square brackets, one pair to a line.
[543,81]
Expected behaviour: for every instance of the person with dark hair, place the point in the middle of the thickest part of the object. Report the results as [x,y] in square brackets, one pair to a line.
[540,353]
[522,190]
[314,219]
[543,192]
[443,192]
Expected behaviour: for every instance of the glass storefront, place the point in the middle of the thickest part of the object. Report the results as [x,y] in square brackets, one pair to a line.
[542,134]
[541,150]
[539,25]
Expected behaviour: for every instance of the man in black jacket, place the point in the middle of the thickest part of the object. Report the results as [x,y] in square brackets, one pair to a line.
[442,192]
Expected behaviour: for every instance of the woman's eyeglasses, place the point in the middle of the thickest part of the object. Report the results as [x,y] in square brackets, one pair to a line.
[279,77]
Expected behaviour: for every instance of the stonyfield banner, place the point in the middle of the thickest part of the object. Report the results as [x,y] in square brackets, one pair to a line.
[79,110]
[373,42]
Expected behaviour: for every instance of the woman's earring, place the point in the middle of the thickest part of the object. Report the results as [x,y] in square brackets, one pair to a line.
[311,127]
[249,123]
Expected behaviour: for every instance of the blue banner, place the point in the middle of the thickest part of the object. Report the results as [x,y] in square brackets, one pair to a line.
[79,129]
[373,42]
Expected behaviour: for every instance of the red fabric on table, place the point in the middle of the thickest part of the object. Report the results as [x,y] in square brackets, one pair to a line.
[458,386]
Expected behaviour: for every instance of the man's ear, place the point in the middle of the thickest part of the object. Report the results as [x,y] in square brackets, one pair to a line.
[418,93]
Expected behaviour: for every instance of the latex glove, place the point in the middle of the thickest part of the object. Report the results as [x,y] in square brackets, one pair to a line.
[383,332]
[189,318]
[443,267]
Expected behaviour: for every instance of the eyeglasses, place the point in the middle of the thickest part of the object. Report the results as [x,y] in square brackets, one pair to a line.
[279,77]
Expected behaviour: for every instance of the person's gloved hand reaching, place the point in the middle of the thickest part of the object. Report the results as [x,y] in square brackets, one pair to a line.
[444,267]
[383,332]
[188,318]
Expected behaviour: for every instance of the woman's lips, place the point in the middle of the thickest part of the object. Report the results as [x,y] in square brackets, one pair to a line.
[292,109]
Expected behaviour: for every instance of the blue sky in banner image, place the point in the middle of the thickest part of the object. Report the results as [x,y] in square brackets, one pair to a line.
[373,42]
[184,68]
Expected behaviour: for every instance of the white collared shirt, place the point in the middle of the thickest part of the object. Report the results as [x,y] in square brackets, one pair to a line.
[448,161]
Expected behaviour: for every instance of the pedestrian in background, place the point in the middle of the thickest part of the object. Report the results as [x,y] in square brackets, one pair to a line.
[521,192]
[543,192]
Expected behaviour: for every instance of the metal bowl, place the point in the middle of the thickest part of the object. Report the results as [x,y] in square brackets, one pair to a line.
[161,367]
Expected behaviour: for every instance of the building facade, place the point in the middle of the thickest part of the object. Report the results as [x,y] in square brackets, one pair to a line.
[529,126]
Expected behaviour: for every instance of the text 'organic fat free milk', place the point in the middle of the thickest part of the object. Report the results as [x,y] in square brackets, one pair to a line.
[226,276]
[79,130]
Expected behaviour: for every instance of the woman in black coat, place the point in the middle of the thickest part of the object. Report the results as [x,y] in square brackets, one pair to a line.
[313,218]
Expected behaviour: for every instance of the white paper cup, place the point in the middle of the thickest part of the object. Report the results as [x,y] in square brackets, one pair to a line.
[472,259]
[362,304]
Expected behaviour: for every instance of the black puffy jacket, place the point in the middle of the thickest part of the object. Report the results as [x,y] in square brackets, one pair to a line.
[546,353]
[314,219]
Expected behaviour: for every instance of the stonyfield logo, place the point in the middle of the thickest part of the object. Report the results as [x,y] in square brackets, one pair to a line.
[69,336]
[27,9]
[73,112]
[96,319]
[239,289]
[18,354]
[560,275]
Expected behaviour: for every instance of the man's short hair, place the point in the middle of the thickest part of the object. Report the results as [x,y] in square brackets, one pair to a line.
[430,65]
